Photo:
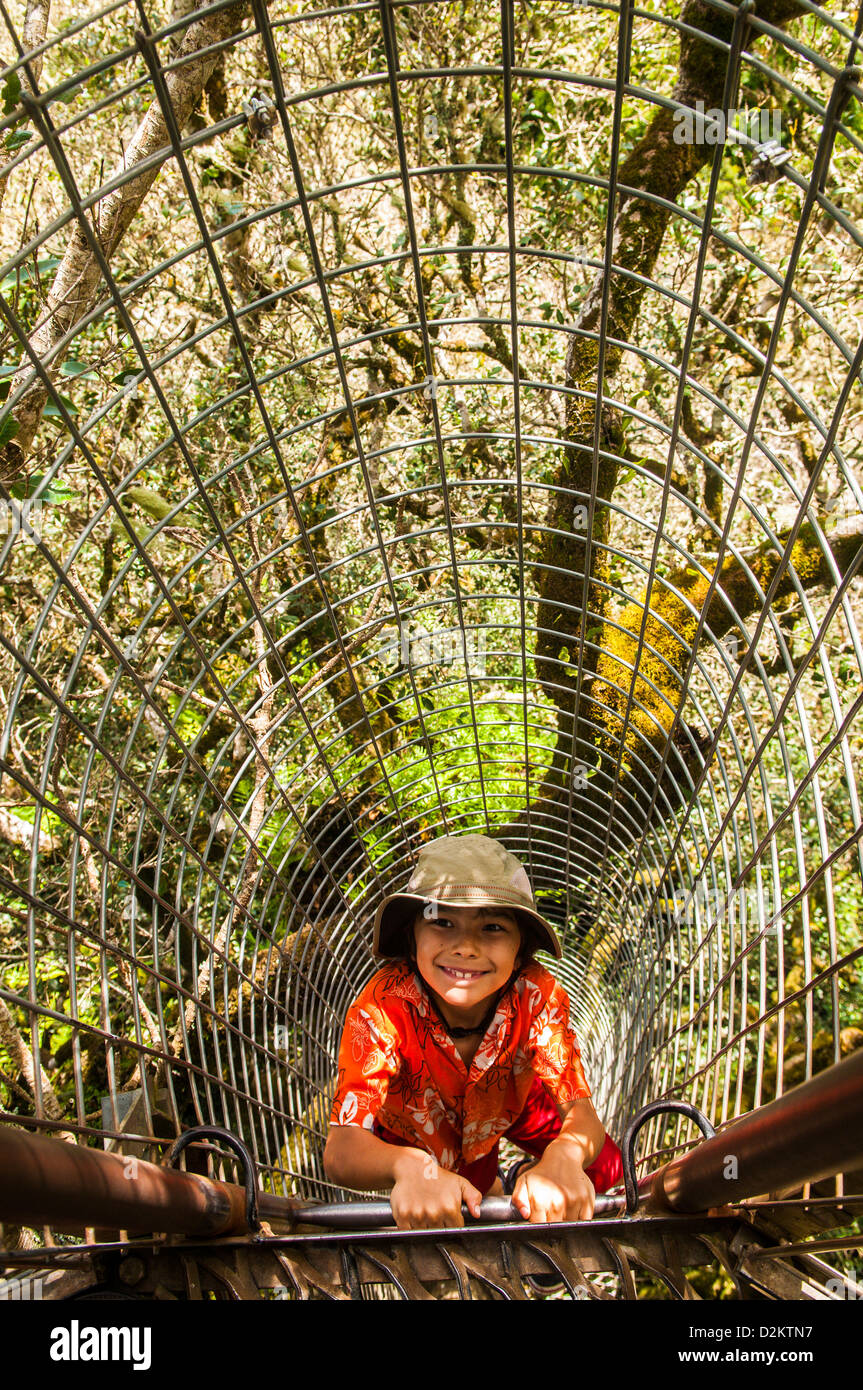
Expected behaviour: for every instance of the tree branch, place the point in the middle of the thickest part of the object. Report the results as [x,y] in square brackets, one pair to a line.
[78,277]
[14,1044]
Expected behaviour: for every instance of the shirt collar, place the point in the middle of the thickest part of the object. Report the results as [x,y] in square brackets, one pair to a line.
[411,987]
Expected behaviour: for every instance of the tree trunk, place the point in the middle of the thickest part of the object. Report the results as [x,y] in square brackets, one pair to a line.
[660,166]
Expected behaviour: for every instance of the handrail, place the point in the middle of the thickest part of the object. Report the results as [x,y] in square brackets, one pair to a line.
[45,1181]
[813,1132]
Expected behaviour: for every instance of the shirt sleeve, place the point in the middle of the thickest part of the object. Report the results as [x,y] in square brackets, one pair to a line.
[553,1050]
[369,1058]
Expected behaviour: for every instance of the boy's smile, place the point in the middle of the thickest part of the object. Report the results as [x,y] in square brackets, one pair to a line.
[461,974]
[465,955]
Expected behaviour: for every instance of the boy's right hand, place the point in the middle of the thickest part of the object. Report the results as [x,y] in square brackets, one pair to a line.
[425,1195]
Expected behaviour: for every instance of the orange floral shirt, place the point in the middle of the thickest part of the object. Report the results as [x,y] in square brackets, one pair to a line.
[397,1064]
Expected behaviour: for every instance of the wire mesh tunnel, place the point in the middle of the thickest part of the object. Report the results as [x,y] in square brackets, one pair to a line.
[422,420]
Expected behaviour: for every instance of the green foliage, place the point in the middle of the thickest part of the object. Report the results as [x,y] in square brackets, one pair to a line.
[10,93]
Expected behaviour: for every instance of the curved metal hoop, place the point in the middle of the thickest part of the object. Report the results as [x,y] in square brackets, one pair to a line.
[250,1171]
[627,1148]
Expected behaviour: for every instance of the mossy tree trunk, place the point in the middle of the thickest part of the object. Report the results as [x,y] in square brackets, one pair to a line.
[665,658]
[657,166]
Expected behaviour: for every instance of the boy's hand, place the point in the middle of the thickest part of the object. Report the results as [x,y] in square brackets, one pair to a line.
[554,1189]
[425,1195]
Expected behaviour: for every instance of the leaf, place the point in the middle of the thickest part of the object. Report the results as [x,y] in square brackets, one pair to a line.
[8,428]
[24,273]
[56,491]
[52,410]
[69,95]
[73,368]
[11,93]
[427,703]
[16,138]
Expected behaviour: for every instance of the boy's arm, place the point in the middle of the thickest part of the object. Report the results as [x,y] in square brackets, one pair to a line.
[557,1187]
[583,1131]
[355,1157]
[422,1194]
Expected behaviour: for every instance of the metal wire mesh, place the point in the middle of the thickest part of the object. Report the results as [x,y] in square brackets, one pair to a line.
[384,483]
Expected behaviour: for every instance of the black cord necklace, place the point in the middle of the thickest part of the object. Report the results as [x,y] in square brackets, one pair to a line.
[455,1032]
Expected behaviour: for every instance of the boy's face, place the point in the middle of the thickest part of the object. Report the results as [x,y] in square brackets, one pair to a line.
[465,955]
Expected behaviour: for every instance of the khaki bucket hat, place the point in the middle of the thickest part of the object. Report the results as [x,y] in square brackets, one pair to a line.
[464,871]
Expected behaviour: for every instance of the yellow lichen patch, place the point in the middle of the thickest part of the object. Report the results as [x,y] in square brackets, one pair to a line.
[668,635]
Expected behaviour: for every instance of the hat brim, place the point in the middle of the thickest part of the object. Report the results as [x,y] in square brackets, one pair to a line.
[398,909]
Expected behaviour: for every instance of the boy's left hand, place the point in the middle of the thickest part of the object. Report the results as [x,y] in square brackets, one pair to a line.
[554,1189]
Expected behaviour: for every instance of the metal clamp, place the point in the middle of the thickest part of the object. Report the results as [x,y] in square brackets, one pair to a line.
[767,162]
[627,1148]
[250,1172]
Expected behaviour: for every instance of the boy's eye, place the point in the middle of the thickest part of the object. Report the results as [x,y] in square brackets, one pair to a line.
[486,926]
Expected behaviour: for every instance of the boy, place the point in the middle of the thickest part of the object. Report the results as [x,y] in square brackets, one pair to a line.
[464,1038]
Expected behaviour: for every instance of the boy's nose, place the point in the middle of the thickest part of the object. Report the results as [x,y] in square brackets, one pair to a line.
[467,944]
